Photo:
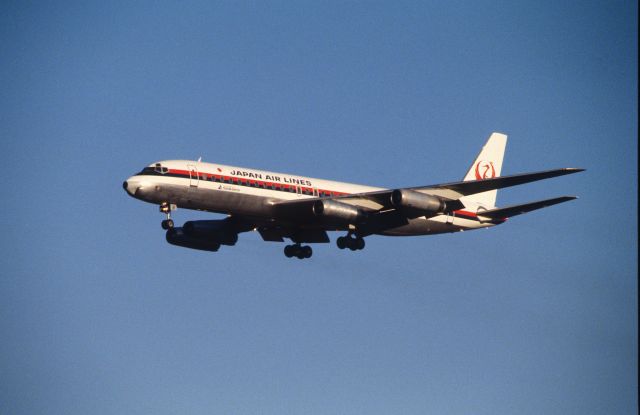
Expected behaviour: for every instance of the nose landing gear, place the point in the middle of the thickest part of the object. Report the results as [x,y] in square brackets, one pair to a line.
[298,251]
[167,208]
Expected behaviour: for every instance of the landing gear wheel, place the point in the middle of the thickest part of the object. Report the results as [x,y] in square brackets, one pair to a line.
[289,251]
[300,252]
[354,243]
[166,208]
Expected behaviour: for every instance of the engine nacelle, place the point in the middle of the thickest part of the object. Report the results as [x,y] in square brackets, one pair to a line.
[337,212]
[177,236]
[414,204]
[219,231]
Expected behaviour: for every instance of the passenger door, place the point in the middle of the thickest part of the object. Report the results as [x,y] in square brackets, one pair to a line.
[194,178]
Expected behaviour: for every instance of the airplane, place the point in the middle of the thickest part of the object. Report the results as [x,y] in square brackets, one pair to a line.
[304,209]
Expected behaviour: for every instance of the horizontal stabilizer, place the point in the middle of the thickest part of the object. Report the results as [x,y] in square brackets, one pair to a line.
[509,211]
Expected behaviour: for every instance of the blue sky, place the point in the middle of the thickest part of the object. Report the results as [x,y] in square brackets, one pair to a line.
[98,314]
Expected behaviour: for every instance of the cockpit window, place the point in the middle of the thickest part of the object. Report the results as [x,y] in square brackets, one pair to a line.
[154,169]
[160,169]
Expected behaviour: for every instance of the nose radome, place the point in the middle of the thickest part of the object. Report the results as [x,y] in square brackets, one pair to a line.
[130,186]
[133,186]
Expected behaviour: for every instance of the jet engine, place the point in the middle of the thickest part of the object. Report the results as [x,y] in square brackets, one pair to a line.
[177,236]
[337,212]
[220,231]
[415,204]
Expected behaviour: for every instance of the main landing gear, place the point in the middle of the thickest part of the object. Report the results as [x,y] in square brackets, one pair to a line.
[298,251]
[351,241]
[166,208]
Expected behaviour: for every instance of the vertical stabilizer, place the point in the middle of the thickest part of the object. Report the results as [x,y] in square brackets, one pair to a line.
[487,165]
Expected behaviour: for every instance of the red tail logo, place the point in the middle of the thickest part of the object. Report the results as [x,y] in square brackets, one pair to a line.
[485,170]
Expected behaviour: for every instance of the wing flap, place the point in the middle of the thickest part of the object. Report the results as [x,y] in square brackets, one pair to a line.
[297,235]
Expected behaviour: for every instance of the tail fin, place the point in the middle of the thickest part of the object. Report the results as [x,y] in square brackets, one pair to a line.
[487,165]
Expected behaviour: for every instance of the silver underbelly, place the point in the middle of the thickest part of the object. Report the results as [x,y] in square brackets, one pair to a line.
[260,208]
[210,200]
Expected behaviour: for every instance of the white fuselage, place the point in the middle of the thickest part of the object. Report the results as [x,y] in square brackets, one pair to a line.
[252,193]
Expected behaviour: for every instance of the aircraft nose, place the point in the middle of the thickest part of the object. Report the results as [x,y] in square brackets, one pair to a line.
[130,186]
